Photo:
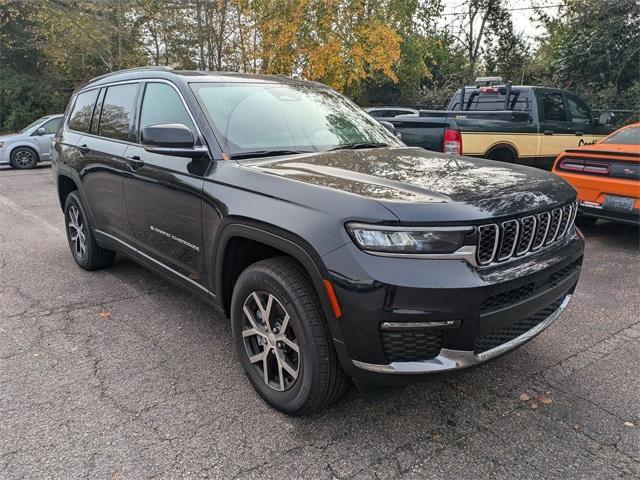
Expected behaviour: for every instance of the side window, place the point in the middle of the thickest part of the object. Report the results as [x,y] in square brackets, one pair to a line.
[579,110]
[117,112]
[553,107]
[51,126]
[162,104]
[80,118]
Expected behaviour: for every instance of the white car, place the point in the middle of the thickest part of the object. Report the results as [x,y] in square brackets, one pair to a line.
[31,145]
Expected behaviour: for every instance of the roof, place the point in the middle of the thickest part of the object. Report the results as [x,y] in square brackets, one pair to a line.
[192,76]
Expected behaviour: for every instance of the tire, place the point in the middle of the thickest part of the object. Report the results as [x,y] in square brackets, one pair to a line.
[319,379]
[502,155]
[82,243]
[24,158]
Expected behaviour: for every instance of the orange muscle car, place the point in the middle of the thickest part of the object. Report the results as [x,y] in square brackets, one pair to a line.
[606,176]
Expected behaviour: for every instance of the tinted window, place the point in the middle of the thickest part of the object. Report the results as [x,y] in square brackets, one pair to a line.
[486,102]
[162,104]
[553,107]
[80,117]
[52,126]
[579,111]
[626,136]
[117,112]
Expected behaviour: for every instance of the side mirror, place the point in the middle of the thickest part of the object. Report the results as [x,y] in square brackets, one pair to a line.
[389,126]
[40,131]
[605,118]
[171,139]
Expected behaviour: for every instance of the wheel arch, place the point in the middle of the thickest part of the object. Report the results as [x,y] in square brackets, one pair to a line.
[503,145]
[25,144]
[229,261]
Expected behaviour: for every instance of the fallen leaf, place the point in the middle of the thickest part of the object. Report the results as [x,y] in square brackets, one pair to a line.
[629,424]
[104,313]
[436,435]
[534,406]
[545,399]
[524,397]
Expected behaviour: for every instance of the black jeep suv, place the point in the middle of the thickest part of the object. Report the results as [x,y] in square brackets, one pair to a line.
[335,250]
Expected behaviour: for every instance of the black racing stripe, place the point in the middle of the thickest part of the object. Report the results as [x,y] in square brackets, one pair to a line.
[621,155]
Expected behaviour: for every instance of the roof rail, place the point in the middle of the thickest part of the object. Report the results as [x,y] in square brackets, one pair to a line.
[162,68]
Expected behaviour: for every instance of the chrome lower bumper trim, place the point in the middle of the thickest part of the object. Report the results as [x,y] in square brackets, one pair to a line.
[455,359]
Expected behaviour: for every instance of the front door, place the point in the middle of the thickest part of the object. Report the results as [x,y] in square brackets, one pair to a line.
[44,140]
[164,192]
[556,130]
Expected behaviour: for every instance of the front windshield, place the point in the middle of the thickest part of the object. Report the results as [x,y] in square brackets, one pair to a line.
[626,136]
[271,117]
[30,127]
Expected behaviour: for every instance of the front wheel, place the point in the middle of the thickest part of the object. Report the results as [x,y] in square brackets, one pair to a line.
[82,243]
[282,339]
[23,158]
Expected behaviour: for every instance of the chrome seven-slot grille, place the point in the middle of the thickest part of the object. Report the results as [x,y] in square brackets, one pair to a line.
[499,242]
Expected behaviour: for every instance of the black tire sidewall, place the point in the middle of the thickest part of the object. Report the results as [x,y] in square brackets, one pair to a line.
[74,200]
[19,149]
[260,279]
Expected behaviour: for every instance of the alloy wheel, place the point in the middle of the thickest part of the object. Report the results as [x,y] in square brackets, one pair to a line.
[24,158]
[270,341]
[76,232]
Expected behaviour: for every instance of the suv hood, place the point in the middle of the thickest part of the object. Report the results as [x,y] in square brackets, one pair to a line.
[417,185]
[14,136]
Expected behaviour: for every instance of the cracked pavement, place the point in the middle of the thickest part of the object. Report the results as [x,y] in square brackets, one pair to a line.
[154,390]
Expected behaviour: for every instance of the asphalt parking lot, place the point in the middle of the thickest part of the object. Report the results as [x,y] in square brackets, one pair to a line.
[116,374]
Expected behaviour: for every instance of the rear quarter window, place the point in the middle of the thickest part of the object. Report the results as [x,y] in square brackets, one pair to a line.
[80,117]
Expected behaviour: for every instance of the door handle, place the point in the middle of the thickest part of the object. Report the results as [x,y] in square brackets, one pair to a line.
[135,162]
[548,132]
[579,133]
[84,149]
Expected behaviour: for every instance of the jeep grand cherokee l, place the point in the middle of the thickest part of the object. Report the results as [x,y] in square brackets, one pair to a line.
[336,251]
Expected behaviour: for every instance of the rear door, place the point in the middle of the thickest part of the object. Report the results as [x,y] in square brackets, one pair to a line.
[581,121]
[102,158]
[164,192]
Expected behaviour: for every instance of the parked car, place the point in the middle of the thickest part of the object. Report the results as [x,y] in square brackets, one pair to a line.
[606,176]
[390,112]
[31,145]
[335,250]
[514,124]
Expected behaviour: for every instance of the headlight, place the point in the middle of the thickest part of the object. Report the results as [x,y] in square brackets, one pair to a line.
[407,239]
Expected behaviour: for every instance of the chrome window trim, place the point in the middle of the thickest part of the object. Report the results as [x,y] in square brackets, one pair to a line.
[137,81]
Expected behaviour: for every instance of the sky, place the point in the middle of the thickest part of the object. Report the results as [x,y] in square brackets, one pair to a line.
[521,17]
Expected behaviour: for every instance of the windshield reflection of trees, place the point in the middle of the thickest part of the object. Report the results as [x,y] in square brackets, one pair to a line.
[280,116]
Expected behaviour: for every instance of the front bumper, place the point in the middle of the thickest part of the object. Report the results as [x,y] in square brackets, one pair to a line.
[468,315]
[448,360]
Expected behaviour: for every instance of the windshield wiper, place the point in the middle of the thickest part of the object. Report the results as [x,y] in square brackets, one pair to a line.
[356,146]
[267,153]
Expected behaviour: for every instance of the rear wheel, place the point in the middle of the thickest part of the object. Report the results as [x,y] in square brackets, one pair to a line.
[82,243]
[282,339]
[502,155]
[24,158]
